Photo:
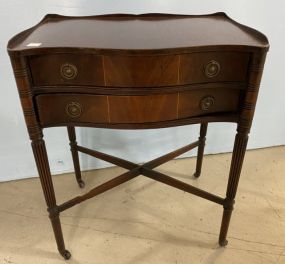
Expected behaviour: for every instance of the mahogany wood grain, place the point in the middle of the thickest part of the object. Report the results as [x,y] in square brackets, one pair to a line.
[201,146]
[133,109]
[161,177]
[141,71]
[190,102]
[138,34]
[233,67]
[52,108]
[46,69]
[137,72]
[248,106]
[130,165]
[75,157]
[143,109]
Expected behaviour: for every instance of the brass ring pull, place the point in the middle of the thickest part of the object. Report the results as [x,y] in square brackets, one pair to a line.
[68,71]
[207,102]
[73,109]
[212,69]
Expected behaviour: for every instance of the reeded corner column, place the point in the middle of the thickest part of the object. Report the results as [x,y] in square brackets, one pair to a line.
[244,125]
[22,77]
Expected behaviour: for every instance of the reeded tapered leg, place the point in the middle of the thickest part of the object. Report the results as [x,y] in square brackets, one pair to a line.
[236,165]
[75,158]
[41,159]
[202,140]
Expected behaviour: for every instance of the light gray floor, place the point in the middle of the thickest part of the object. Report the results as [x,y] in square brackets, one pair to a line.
[144,221]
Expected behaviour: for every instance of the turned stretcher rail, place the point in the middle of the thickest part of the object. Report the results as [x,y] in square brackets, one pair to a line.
[136,170]
[130,165]
[100,189]
[158,176]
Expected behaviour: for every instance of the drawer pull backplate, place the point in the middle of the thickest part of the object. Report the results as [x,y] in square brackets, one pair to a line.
[212,69]
[207,102]
[73,109]
[68,71]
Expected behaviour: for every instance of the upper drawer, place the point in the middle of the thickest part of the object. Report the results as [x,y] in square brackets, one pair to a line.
[138,71]
[213,67]
[192,68]
[67,69]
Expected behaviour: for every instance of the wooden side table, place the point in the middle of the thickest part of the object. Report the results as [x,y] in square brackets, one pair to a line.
[137,72]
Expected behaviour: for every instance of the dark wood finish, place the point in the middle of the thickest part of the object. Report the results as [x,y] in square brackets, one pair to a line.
[201,146]
[141,71]
[143,109]
[100,189]
[137,90]
[21,73]
[47,70]
[130,165]
[233,67]
[135,170]
[254,78]
[171,155]
[133,109]
[191,103]
[158,176]
[139,34]
[137,72]
[41,159]
[53,108]
[111,159]
[75,158]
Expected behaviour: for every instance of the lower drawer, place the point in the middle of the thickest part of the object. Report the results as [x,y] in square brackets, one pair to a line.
[66,108]
[56,109]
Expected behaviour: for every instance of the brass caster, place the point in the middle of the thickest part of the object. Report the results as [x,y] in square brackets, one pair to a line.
[223,243]
[196,175]
[66,254]
[81,184]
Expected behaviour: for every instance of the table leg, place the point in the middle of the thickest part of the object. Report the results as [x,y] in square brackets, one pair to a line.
[201,146]
[40,154]
[236,166]
[75,158]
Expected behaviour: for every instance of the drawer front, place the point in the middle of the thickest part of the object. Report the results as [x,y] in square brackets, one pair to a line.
[153,71]
[208,101]
[85,108]
[156,108]
[213,67]
[138,71]
[67,108]
[56,109]
[67,69]
[143,109]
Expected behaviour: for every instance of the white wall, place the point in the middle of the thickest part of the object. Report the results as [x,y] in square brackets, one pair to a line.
[16,159]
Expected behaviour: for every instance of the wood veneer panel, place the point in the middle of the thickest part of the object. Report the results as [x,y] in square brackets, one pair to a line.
[224,101]
[141,71]
[144,37]
[140,109]
[52,108]
[146,33]
[46,69]
[233,67]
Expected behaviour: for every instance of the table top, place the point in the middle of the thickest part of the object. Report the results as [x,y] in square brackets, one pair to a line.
[137,71]
[142,33]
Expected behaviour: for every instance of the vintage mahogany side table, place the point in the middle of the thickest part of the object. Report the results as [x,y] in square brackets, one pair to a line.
[137,72]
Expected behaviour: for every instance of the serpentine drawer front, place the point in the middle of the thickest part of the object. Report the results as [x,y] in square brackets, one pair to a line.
[88,108]
[137,72]
[67,69]
[122,71]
